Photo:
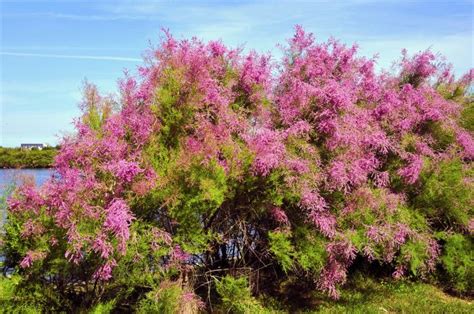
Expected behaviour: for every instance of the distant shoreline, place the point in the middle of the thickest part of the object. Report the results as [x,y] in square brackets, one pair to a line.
[17,158]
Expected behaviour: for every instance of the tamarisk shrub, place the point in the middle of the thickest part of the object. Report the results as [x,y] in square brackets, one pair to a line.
[210,162]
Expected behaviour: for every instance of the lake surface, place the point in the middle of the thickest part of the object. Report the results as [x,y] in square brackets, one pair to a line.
[16,176]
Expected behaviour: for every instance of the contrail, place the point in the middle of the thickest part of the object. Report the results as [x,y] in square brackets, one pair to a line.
[44,55]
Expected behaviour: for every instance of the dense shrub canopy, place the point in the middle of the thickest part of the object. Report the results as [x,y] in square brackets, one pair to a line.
[213,162]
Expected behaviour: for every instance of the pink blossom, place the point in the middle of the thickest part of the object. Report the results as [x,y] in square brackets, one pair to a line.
[312,201]
[298,128]
[53,241]
[419,67]
[124,170]
[102,246]
[160,236]
[381,179]
[401,234]
[279,215]
[13,204]
[320,135]
[434,251]
[27,261]
[341,254]
[399,271]
[297,165]
[470,226]
[268,148]
[74,255]
[179,255]
[217,48]
[339,176]
[369,253]
[104,272]
[118,220]
[32,228]
[301,39]
[325,223]
[193,145]
[466,141]
[30,257]
[374,234]
[411,172]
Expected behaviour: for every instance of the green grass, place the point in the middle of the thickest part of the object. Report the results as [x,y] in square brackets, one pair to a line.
[364,295]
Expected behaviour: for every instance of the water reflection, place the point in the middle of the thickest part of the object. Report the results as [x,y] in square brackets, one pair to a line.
[16,176]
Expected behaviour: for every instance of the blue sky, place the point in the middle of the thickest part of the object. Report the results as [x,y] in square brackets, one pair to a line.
[48,48]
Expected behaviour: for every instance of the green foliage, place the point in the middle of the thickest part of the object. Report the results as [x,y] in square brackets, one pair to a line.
[467,116]
[447,196]
[415,252]
[199,191]
[165,299]
[19,296]
[281,247]
[137,272]
[25,158]
[136,269]
[311,250]
[458,261]
[236,296]
[171,108]
[443,137]
[10,301]
[302,248]
[412,218]
[96,109]
[380,211]
[103,308]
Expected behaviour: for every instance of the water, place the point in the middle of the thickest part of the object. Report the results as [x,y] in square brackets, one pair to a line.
[16,176]
[9,177]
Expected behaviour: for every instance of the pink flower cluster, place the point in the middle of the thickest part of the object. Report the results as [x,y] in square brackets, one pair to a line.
[79,196]
[118,220]
[31,257]
[329,127]
[341,255]
[411,172]
[126,171]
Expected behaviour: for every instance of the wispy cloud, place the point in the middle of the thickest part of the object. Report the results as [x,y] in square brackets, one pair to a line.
[61,56]
[76,48]
[79,17]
